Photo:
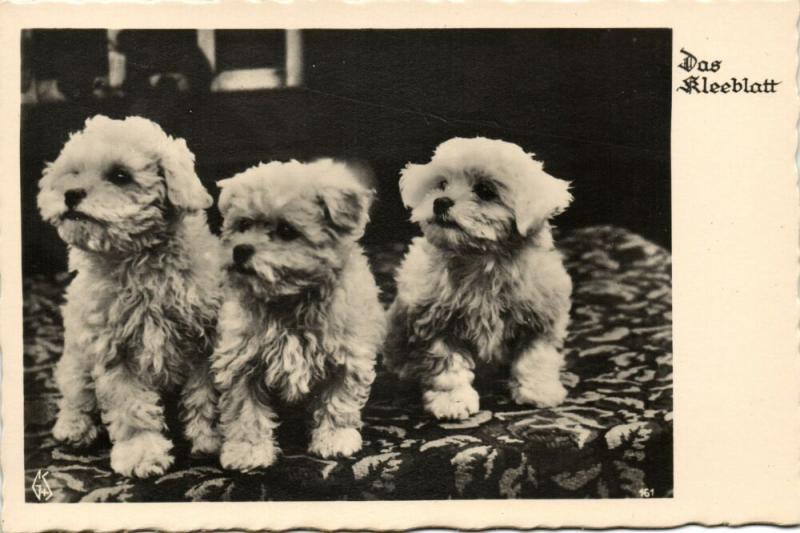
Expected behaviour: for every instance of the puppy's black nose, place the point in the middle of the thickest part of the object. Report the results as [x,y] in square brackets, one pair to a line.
[242,252]
[73,197]
[442,205]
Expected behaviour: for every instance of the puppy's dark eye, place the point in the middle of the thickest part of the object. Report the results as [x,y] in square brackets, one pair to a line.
[485,192]
[119,175]
[442,185]
[286,232]
[243,224]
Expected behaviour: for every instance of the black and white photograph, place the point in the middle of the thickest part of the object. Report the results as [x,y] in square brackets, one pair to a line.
[347,264]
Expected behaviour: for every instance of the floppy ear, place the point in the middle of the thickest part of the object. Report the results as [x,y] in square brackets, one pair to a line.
[415,182]
[184,188]
[224,196]
[47,173]
[346,209]
[542,197]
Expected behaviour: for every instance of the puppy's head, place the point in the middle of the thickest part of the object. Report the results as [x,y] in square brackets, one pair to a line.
[289,227]
[481,194]
[117,185]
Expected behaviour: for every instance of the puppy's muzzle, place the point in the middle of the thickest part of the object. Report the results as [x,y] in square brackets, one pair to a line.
[441,206]
[73,197]
[441,211]
[242,253]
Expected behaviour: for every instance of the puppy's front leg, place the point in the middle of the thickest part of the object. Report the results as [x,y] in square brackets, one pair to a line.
[247,424]
[135,418]
[75,424]
[535,376]
[337,416]
[447,383]
[199,400]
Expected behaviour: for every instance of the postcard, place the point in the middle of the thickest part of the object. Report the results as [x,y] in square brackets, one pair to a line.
[389,266]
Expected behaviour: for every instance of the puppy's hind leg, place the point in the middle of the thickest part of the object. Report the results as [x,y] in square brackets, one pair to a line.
[135,419]
[199,402]
[447,383]
[247,424]
[337,416]
[535,376]
[76,424]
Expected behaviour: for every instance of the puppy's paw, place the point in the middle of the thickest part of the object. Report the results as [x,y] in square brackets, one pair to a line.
[335,442]
[541,395]
[455,404]
[75,428]
[208,443]
[244,456]
[143,455]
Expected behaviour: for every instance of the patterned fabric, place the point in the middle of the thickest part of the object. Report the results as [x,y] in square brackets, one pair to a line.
[612,438]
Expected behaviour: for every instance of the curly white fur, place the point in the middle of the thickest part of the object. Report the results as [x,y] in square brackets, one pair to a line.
[301,317]
[485,284]
[140,315]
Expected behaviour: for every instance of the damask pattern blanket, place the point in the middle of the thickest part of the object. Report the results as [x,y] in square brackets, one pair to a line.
[612,437]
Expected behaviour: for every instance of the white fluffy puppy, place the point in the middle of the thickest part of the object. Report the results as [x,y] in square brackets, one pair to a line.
[140,315]
[301,318]
[485,284]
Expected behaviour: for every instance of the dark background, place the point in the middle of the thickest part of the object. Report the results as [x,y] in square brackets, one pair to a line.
[594,105]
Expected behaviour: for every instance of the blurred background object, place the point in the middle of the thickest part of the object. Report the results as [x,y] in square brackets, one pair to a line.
[163,62]
[249,60]
[594,105]
[64,64]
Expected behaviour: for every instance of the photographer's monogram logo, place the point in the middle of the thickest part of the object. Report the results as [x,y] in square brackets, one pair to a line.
[40,487]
